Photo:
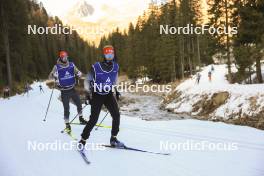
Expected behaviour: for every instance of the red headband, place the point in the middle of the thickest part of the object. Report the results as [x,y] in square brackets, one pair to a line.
[108,50]
[63,54]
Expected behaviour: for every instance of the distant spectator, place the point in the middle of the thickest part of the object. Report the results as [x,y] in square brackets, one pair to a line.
[27,88]
[210,76]
[198,78]
[6,92]
[41,89]
[212,68]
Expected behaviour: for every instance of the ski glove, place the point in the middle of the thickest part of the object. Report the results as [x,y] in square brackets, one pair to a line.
[118,95]
[88,98]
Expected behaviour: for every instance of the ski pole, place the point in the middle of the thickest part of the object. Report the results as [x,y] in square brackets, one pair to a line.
[74,118]
[49,104]
[77,115]
[101,121]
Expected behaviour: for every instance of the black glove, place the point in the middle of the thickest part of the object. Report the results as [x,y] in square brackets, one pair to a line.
[88,98]
[118,95]
[77,80]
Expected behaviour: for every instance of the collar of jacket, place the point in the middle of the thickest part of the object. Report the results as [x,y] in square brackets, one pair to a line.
[62,64]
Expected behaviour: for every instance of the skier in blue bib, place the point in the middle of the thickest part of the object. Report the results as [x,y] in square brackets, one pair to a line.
[99,86]
[65,73]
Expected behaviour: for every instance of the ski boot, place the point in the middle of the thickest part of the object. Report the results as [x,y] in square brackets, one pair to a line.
[116,143]
[81,144]
[68,128]
[82,120]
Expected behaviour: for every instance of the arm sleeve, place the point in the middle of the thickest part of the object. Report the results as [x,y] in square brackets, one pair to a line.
[88,83]
[77,71]
[53,74]
[116,80]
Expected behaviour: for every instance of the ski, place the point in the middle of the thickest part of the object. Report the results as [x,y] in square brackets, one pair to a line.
[70,135]
[137,150]
[103,126]
[83,155]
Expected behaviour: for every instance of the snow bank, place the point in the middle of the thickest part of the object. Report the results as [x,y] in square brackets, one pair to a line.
[242,101]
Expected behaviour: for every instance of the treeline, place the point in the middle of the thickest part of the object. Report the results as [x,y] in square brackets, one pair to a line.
[24,57]
[143,51]
[249,43]
[245,48]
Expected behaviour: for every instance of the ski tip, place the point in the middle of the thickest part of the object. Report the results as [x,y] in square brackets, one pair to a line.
[84,156]
[87,162]
[166,154]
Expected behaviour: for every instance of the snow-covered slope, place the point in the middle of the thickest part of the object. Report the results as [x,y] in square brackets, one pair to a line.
[21,122]
[239,101]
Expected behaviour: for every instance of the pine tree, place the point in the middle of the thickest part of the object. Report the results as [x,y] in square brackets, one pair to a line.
[220,12]
[251,15]
[24,57]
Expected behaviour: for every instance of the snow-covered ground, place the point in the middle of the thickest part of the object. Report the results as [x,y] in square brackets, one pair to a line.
[21,122]
[243,99]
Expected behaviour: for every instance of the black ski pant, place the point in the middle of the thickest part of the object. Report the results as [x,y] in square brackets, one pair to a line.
[66,95]
[96,104]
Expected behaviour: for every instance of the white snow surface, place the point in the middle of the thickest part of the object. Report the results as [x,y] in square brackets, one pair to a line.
[239,99]
[21,121]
